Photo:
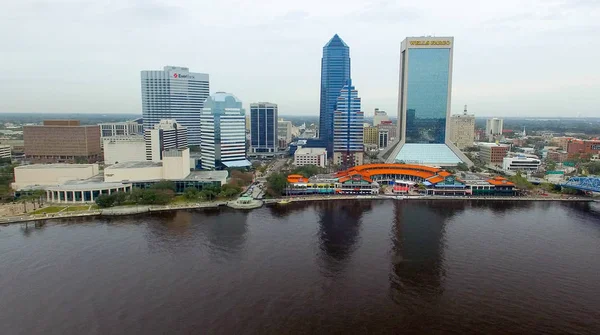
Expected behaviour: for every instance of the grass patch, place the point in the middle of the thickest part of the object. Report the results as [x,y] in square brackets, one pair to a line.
[77,208]
[49,210]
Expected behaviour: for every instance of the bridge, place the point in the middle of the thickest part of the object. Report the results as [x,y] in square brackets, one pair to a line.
[590,184]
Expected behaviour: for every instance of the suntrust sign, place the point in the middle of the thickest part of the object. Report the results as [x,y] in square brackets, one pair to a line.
[429,42]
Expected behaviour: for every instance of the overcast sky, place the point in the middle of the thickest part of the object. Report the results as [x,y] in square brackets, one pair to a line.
[511,57]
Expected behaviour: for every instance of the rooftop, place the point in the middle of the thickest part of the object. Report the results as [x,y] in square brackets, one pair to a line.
[310,151]
[134,165]
[54,166]
[207,175]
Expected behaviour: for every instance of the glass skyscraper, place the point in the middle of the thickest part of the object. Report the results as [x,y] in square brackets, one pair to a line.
[424,103]
[348,129]
[174,93]
[263,127]
[335,73]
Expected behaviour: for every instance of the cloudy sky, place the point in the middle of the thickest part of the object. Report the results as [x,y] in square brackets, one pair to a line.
[511,58]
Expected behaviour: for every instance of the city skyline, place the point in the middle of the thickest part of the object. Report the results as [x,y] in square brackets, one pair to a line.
[59,71]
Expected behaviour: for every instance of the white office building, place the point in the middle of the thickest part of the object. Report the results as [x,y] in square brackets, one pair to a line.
[124,148]
[5,151]
[521,162]
[310,156]
[379,116]
[223,128]
[493,128]
[174,93]
[167,134]
[121,128]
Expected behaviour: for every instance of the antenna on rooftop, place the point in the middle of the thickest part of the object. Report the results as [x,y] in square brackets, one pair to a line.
[465,112]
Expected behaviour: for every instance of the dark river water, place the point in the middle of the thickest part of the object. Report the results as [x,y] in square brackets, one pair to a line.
[344,267]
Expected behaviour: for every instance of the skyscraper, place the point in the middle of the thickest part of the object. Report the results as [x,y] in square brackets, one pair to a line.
[335,73]
[348,129]
[165,135]
[424,104]
[223,124]
[379,116]
[462,130]
[493,128]
[263,127]
[174,93]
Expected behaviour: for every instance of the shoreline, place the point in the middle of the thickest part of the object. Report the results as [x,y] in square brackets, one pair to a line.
[134,210]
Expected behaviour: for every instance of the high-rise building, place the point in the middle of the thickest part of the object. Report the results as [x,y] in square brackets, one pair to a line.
[348,149]
[62,141]
[335,73]
[493,128]
[284,131]
[174,93]
[391,128]
[384,138]
[167,134]
[462,129]
[223,132]
[424,104]
[379,116]
[263,127]
[371,135]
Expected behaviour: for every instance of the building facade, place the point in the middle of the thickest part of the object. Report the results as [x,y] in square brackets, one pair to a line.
[284,131]
[310,156]
[583,148]
[335,73]
[492,153]
[462,130]
[223,132]
[348,148]
[174,93]
[167,134]
[52,174]
[379,116]
[371,135]
[263,127]
[384,138]
[5,151]
[521,163]
[493,128]
[124,148]
[121,128]
[62,141]
[424,104]
[391,128]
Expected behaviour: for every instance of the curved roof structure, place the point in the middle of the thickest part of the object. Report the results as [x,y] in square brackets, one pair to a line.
[370,170]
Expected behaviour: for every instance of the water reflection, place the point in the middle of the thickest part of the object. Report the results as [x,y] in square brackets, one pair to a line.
[224,234]
[417,248]
[339,226]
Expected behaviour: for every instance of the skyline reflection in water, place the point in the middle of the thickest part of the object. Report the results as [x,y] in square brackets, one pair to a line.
[322,267]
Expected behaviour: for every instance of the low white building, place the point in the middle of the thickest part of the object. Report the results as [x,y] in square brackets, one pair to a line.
[175,165]
[125,148]
[52,174]
[5,151]
[521,163]
[310,156]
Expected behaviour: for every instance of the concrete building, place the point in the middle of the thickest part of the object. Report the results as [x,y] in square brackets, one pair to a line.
[223,132]
[462,130]
[379,116]
[424,104]
[391,128]
[124,148]
[174,93]
[167,134]
[121,128]
[371,135]
[62,141]
[493,128]
[284,130]
[583,148]
[492,153]
[521,163]
[5,151]
[16,146]
[51,174]
[562,141]
[263,127]
[348,119]
[310,156]
[384,138]
[175,165]
[557,156]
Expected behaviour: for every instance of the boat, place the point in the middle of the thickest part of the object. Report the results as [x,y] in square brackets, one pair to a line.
[283,202]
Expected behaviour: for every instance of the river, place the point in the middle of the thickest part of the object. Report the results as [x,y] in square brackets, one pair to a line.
[344,267]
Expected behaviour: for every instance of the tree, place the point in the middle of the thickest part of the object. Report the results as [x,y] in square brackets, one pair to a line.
[462,166]
[521,182]
[550,165]
[191,193]
[593,168]
[105,201]
[228,191]
[119,198]
[277,182]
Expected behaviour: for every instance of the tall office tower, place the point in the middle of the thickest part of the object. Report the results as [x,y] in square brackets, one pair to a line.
[284,130]
[384,138]
[379,116]
[335,73]
[223,125]
[167,134]
[263,127]
[493,128]
[174,93]
[462,129]
[424,104]
[348,149]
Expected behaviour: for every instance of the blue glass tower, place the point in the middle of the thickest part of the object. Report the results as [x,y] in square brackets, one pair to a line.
[335,73]
[263,127]
[424,104]
[348,129]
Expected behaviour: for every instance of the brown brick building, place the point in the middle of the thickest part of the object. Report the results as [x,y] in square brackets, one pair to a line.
[583,148]
[492,153]
[62,141]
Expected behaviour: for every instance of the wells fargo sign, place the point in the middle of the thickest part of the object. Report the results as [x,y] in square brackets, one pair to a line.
[429,42]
